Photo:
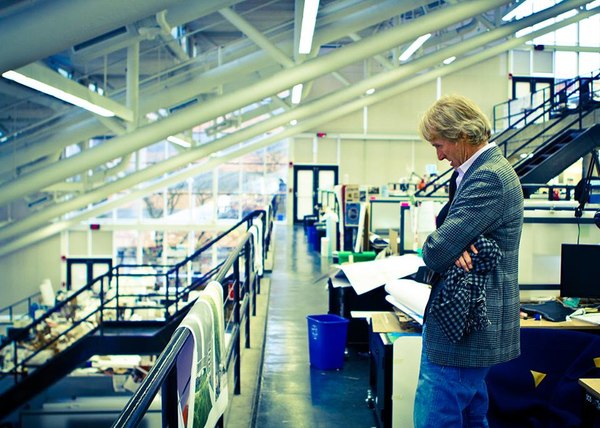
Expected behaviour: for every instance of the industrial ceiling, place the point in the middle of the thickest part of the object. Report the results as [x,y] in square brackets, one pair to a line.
[215,74]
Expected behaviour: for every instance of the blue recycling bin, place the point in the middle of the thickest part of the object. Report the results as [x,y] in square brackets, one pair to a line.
[327,341]
[312,235]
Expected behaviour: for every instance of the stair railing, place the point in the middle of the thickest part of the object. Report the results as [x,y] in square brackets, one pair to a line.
[549,105]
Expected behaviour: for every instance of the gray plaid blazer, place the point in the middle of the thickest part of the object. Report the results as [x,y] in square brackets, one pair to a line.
[489,202]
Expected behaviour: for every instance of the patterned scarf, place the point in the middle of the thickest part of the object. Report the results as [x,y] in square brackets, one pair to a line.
[459,306]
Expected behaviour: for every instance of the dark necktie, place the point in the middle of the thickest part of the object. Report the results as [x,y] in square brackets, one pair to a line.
[452,186]
[451,191]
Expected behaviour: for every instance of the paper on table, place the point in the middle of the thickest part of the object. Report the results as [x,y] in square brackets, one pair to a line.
[339,280]
[415,316]
[411,294]
[366,276]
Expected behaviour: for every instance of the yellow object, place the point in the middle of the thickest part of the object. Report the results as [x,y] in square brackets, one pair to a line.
[537,377]
[597,362]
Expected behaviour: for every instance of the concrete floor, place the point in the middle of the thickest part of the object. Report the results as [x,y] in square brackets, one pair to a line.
[279,387]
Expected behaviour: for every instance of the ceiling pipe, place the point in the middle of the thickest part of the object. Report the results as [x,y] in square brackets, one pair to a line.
[180,14]
[315,108]
[87,128]
[170,41]
[193,115]
[54,26]
[256,36]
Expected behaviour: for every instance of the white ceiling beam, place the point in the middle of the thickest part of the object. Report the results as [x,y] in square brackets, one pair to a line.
[49,27]
[315,113]
[40,73]
[226,103]
[256,36]
[76,127]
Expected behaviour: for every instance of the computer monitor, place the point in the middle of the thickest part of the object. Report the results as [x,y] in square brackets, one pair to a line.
[579,270]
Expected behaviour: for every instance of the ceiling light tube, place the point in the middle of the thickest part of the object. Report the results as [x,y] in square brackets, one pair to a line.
[309,18]
[297,93]
[592,5]
[449,60]
[179,141]
[55,92]
[413,48]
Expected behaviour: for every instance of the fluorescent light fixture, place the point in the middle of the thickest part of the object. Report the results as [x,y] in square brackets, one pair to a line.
[293,122]
[546,23]
[592,5]
[40,77]
[370,91]
[413,48]
[297,93]
[449,60]
[309,18]
[522,10]
[57,93]
[179,141]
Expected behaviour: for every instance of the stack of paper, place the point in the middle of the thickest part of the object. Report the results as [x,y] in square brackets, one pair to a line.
[409,296]
[366,276]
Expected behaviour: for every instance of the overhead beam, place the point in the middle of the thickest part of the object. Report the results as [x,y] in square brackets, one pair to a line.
[40,73]
[48,27]
[226,103]
[314,113]
[256,36]
[76,127]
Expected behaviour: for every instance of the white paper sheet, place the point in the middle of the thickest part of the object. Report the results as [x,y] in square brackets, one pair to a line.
[415,316]
[366,276]
[410,294]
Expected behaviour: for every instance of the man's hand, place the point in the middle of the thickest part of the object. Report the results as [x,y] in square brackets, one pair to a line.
[464,261]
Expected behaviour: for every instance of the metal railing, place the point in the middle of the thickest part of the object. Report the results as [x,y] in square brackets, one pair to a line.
[571,104]
[244,283]
[112,293]
[21,309]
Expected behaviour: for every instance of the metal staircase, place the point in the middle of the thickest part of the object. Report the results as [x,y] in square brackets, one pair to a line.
[556,155]
[544,140]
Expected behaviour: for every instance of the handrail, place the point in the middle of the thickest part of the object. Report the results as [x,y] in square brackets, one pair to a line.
[108,305]
[138,404]
[541,111]
[158,376]
[11,309]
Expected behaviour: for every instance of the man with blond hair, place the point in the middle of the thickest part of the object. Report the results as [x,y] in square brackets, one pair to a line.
[471,320]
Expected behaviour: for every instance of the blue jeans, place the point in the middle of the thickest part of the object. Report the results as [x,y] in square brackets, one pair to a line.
[450,397]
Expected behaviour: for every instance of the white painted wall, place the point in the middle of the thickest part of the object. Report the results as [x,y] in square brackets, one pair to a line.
[377,162]
[24,270]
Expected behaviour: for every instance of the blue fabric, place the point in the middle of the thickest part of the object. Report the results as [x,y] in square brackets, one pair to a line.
[563,356]
[450,397]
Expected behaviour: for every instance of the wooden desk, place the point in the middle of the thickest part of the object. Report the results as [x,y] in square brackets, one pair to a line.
[573,324]
[591,407]
[592,386]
